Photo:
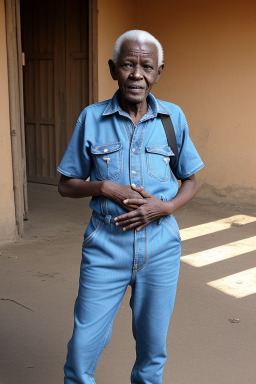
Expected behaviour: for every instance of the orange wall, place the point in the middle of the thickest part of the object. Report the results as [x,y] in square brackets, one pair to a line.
[210,61]
[114,18]
[7,211]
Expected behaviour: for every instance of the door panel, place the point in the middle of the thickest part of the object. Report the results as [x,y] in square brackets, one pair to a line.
[77,67]
[55,42]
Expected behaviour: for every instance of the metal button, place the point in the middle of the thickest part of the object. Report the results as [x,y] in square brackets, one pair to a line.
[133,172]
[105,150]
[133,149]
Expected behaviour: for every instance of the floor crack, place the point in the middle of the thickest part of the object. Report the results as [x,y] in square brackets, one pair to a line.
[16,302]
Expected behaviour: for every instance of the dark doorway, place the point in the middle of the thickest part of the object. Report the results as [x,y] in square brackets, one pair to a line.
[55,39]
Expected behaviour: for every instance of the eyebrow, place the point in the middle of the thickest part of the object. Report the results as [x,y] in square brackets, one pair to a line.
[145,57]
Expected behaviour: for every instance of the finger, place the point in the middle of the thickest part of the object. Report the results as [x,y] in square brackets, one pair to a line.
[127,208]
[144,193]
[131,206]
[135,187]
[132,225]
[140,227]
[134,201]
[124,223]
[141,191]
[125,216]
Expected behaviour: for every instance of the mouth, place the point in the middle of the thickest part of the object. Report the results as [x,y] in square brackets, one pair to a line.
[135,88]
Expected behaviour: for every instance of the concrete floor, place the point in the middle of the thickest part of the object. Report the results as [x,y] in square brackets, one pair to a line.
[39,281]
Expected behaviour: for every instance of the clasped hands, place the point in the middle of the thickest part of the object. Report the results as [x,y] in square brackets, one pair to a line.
[142,210]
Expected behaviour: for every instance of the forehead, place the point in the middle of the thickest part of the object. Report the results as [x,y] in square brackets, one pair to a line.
[136,48]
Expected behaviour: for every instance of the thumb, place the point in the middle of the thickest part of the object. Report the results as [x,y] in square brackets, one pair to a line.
[141,191]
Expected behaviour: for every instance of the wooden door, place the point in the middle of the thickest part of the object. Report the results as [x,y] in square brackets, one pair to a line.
[56,84]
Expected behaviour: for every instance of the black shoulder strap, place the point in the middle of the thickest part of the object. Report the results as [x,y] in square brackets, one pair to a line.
[170,134]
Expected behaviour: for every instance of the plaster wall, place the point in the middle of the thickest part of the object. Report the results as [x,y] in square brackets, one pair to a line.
[210,72]
[114,18]
[210,64]
[7,209]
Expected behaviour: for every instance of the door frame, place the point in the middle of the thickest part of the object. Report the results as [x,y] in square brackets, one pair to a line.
[16,102]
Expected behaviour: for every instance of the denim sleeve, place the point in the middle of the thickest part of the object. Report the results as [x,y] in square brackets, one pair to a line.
[189,160]
[76,161]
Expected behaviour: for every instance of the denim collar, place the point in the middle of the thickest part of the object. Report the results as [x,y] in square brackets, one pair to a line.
[154,107]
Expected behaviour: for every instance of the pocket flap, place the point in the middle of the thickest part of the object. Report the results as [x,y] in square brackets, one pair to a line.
[104,149]
[160,150]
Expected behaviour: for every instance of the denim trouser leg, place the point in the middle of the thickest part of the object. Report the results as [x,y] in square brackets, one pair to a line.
[107,269]
[152,302]
[105,273]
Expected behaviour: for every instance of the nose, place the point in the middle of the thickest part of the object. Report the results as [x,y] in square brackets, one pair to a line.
[136,73]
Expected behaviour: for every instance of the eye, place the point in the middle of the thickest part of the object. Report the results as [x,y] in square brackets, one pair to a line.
[127,65]
[147,67]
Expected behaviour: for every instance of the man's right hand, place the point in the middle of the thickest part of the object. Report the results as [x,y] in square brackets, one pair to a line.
[77,188]
[118,193]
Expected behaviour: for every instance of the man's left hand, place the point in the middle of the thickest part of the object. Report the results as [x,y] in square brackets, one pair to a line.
[150,208]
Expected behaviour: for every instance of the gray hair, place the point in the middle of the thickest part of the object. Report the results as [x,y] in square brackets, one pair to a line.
[142,37]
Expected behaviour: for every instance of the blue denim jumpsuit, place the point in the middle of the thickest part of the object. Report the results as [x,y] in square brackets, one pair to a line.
[106,145]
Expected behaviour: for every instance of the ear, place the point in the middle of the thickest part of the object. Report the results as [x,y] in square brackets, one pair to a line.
[159,72]
[112,68]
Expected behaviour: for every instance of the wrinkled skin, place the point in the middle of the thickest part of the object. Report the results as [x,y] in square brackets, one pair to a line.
[136,71]
[150,208]
[121,194]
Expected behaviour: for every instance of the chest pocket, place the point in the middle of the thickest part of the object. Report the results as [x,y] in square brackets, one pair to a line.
[158,161]
[108,160]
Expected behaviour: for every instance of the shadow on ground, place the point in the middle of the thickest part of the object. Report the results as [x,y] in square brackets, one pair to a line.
[39,281]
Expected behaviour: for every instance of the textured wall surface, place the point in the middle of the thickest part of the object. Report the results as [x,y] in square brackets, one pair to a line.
[210,64]
[7,211]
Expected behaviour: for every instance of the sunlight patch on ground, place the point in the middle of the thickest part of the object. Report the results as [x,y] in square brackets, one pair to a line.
[222,252]
[238,285]
[215,226]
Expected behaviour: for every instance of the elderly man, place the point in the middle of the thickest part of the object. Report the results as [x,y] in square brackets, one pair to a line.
[132,238]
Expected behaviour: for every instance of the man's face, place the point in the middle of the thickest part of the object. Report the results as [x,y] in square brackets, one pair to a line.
[136,71]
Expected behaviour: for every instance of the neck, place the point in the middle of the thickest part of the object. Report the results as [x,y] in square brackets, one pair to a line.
[135,110]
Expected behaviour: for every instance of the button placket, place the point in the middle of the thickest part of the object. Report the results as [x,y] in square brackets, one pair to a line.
[136,177]
[135,155]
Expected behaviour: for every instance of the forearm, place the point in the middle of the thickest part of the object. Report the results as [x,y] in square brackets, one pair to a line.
[186,193]
[77,188]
